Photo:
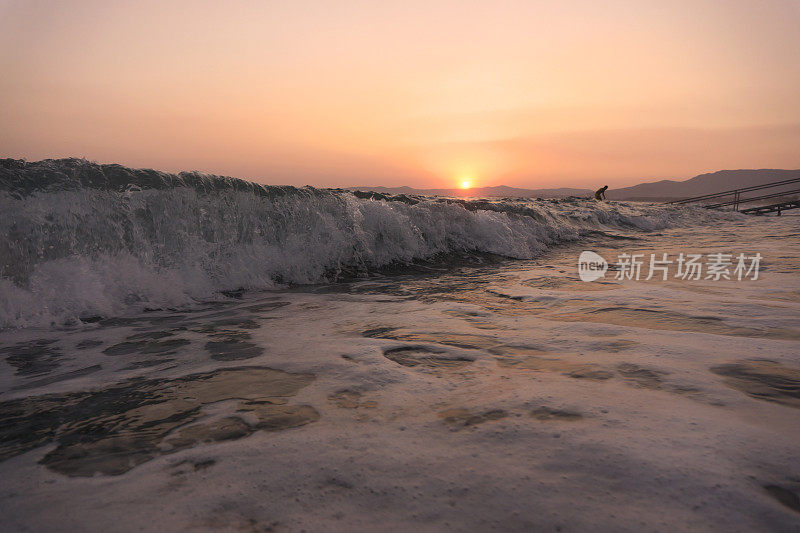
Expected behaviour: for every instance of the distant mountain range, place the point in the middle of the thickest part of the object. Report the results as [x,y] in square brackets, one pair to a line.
[663,190]
[713,182]
[502,191]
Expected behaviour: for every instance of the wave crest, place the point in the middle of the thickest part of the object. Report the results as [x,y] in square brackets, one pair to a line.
[80,239]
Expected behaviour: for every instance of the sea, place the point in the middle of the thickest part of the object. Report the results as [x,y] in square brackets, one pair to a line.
[194,352]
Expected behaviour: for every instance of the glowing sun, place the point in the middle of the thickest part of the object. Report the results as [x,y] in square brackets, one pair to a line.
[466,184]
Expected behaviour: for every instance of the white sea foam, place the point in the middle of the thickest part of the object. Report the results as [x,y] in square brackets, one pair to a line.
[83,251]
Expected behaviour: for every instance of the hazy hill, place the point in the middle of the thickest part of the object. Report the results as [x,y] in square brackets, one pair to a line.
[501,191]
[713,182]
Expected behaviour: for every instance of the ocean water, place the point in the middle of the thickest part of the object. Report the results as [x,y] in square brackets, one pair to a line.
[193,352]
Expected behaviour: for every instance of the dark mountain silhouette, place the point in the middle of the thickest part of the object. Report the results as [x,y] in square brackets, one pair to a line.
[663,190]
[713,182]
[498,191]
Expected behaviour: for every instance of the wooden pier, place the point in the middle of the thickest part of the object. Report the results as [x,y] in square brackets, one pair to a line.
[773,208]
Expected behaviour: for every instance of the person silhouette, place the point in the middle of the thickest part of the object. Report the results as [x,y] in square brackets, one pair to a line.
[600,194]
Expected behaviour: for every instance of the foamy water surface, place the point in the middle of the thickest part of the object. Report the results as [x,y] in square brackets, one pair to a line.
[488,389]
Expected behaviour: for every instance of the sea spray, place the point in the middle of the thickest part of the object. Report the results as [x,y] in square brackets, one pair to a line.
[79,240]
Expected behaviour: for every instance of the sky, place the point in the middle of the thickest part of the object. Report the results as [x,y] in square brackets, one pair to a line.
[422,93]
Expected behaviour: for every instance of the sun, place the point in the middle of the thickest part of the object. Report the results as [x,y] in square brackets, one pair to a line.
[466,184]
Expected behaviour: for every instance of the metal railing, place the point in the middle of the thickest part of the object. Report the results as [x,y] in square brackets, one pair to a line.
[737,201]
[737,195]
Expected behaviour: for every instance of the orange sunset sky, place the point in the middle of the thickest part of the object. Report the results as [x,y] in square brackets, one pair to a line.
[421,93]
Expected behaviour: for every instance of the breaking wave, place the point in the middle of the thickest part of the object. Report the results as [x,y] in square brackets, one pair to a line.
[80,240]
